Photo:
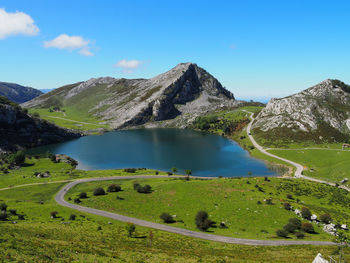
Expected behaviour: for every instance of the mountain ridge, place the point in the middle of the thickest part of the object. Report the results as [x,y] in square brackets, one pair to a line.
[185,89]
[18,93]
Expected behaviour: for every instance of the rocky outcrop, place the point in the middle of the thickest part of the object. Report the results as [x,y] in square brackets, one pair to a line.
[18,93]
[18,130]
[325,106]
[184,90]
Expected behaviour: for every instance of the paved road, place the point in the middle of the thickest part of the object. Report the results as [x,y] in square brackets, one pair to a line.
[60,200]
[299,167]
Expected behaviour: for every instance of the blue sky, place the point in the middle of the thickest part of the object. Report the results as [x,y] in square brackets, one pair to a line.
[256,49]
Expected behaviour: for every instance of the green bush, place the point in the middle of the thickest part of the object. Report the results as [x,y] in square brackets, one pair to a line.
[99,191]
[17,158]
[53,214]
[77,201]
[83,195]
[295,221]
[307,227]
[167,218]
[114,188]
[143,189]
[3,215]
[326,218]
[290,228]
[282,233]
[13,212]
[299,235]
[72,217]
[130,170]
[305,213]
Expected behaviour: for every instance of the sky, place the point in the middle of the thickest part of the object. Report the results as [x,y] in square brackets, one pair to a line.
[256,49]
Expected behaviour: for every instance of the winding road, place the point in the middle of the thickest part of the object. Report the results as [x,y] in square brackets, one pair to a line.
[299,168]
[202,235]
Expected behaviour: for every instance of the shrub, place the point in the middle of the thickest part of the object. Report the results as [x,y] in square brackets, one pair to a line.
[202,221]
[307,227]
[169,173]
[21,217]
[305,213]
[77,201]
[143,189]
[289,196]
[131,229]
[290,228]
[17,158]
[53,214]
[157,172]
[114,188]
[13,212]
[287,206]
[99,191]
[99,228]
[295,221]
[130,170]
[326,218]
[167,218]
[259,202]
[83,195]
[72,217]
[3,207]
[282,233]
[299,235]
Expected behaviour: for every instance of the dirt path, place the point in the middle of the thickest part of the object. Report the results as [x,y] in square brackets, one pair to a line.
[72,120]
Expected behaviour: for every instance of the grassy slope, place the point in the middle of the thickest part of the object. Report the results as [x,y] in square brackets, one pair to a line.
[232,201]
[58,171]
[41,239]
[332,165]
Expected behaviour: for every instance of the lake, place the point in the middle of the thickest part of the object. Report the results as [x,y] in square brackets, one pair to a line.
[204,154]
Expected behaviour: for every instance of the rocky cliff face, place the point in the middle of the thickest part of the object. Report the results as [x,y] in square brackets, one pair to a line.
[18,130]
[18,93]
[184,90]
[325,106]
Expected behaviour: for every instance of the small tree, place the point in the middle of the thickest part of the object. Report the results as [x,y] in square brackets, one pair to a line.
[326,218]
[289,196]
[114,188]
[188,173]
[13,212]
[174,170]
[305,213]
[290,228]
[299,235]
[282,233]
[167,218]
[202,221]
[307,227]
[17,158]
[3,215]
[131,229]
[77,201]
[83,195]
[99,191]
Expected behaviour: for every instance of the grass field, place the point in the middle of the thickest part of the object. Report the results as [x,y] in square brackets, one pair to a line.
[232,201]
[39,238]
[331,165]
[71,119]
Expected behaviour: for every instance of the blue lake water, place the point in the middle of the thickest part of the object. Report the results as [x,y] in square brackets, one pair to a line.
[204,154]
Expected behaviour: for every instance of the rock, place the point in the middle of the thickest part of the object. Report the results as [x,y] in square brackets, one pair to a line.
[344,180]
[343,226]
[313,217]
[322,110]
[319,259]
[330,229]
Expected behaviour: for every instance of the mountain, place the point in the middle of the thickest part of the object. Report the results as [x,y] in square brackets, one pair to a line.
[321,112]
[185,90]
[18,93]
[18,130]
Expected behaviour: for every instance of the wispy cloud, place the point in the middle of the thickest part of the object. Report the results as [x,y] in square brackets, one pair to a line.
[128,66]
[70,43]
[17,23]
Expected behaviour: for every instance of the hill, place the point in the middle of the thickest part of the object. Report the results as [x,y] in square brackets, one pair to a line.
[318,114]
[19,130]
[185,91]
[18,93]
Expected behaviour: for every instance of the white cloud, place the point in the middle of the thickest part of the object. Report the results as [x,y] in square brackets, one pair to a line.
[17,23]
[128,66]
[71,43]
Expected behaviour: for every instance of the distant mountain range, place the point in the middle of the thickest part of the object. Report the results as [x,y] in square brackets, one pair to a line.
[18,93]
[319,113]
[184,92]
